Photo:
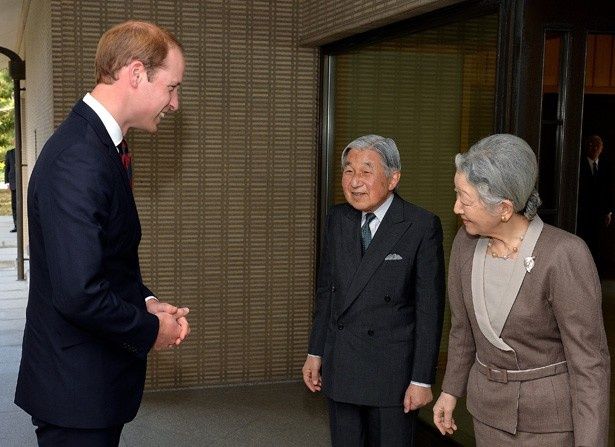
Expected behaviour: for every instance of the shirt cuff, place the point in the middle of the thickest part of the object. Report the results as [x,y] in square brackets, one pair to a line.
[424,385]
[151,297]
[313,355]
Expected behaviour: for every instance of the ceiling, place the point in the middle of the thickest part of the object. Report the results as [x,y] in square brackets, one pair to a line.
[10,26]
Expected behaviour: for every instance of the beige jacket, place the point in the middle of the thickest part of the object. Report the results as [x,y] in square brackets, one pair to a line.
[548,315]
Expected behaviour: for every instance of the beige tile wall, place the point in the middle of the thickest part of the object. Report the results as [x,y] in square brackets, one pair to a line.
[226,189]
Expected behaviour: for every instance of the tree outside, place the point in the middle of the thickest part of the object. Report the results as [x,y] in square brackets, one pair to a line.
[7,133]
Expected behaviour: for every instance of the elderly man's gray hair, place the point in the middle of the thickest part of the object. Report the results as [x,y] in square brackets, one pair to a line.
[386,148]
[503,167]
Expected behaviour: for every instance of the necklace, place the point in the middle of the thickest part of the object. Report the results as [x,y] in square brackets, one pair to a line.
[506,256]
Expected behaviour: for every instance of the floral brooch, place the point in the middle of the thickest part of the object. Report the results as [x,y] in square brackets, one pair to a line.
[529,263]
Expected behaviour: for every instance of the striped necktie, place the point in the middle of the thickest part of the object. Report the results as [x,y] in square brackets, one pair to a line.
[366,232]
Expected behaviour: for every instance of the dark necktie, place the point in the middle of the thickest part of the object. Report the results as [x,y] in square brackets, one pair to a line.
[366,233]
[595,170]
[126,158]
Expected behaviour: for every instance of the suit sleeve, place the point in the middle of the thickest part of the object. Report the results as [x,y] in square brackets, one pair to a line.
[74,204]
[324,284]
[576,300]
[429,305]
[461,345]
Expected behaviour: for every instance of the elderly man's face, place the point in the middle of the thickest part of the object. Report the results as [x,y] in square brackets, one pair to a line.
[594,148]
[364,180]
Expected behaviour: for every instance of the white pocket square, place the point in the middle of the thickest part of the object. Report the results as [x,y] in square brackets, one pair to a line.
[393,257]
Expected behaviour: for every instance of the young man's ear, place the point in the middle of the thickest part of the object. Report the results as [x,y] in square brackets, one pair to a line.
[136,73]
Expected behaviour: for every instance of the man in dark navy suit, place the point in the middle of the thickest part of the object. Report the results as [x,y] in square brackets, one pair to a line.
[90,320]
[379,304]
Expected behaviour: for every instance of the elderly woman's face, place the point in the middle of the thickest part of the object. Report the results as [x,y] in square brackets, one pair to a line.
[475,216]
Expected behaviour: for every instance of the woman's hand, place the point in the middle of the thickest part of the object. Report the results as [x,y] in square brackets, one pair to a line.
[443,413]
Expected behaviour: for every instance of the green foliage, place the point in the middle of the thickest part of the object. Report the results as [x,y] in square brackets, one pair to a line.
[7,113]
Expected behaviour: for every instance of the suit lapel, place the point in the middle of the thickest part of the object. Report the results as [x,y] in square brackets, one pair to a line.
[512,290]
[492,328]
[82,109]
[392,227]
[478,296]
[351,242]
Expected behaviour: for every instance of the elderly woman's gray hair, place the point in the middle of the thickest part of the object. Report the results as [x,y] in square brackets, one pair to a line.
[386,147]
[503,167]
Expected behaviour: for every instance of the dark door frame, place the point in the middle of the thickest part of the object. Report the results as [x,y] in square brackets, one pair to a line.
[17,71]
[530,19]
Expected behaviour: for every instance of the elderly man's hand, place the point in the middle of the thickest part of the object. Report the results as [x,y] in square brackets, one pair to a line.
[416,397]
[311,373]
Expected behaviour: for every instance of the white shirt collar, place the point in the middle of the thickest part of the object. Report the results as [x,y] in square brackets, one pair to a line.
[381,210]
[113,128]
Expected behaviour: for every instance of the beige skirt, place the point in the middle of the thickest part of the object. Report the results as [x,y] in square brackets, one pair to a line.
[487,436]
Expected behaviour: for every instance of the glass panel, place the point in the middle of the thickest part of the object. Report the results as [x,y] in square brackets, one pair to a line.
[596,180]
[551,128]
[432,92]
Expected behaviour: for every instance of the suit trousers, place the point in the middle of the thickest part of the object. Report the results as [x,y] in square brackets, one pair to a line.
[359,425]
[50,435]
[14,206]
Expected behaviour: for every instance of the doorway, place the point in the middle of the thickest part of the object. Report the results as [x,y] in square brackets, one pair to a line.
[596,200]
[433,91]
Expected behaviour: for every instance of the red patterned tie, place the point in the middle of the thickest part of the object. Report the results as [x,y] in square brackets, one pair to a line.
[126,158]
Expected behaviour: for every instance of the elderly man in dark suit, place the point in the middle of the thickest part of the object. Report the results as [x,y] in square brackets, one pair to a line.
[596,203]
[9,179]
[379,303]
[90,320]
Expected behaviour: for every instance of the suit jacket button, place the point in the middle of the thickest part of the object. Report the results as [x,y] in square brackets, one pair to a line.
[340,326]
[370,332]
[387,298]
[333,289]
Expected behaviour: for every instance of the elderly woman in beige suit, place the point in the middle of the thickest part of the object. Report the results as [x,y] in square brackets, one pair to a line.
[527,343]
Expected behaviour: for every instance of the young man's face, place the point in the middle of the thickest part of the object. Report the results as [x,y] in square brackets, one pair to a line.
[159,94]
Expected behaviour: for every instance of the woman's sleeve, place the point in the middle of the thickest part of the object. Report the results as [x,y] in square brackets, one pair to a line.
[576,300]
[461,347]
